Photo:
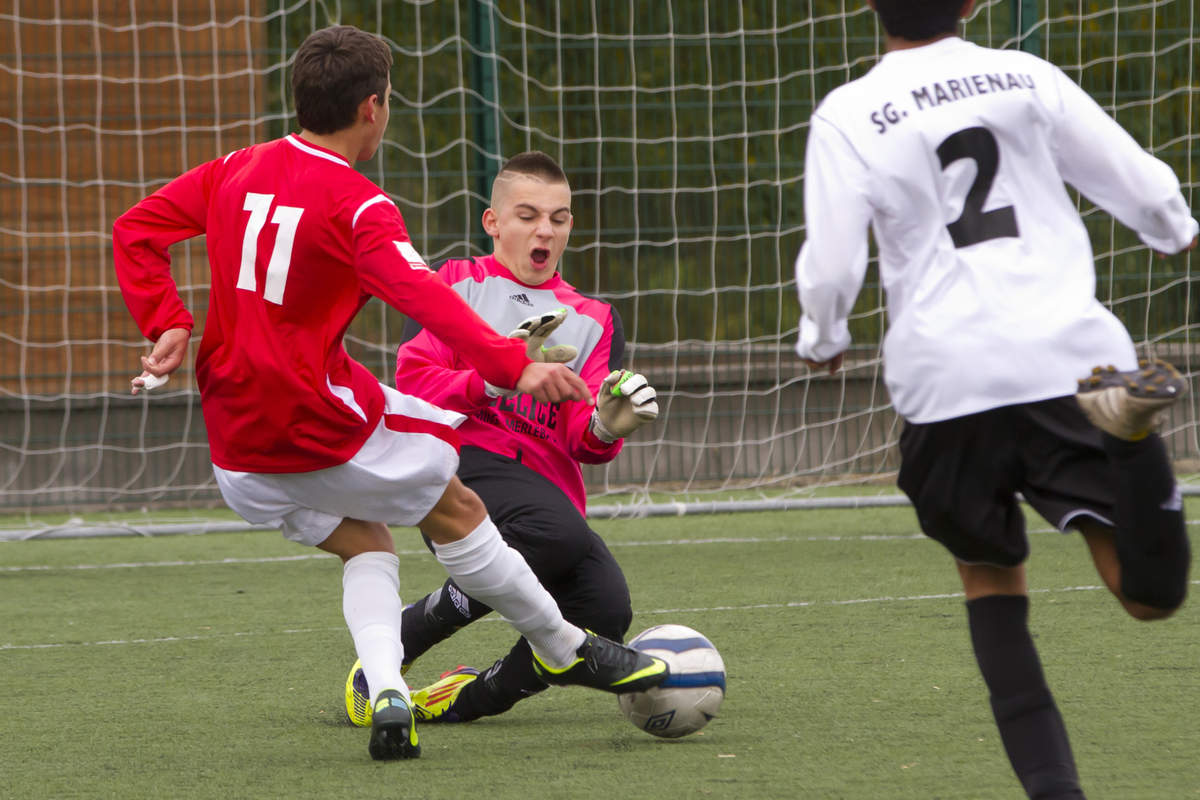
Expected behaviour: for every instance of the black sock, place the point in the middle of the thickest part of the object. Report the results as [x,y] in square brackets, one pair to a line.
[1031,728]
[1151,535]
[436,617]
[499,688]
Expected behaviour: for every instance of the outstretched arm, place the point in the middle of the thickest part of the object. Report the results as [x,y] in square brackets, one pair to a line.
[426,367]
[390,268]
[1100,159]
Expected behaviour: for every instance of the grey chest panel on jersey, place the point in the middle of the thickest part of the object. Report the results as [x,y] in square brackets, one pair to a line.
[505,304]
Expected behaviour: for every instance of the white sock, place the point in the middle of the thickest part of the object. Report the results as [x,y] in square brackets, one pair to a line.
[493,573]
[372,607]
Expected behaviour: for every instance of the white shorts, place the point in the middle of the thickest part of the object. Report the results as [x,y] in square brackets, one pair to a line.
[396,477]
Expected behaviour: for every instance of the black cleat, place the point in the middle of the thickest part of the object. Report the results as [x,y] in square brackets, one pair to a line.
[393,728]
[606,665]
[1128,405]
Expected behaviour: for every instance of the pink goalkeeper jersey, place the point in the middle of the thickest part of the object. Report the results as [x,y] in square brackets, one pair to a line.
[551,439]
[297,242]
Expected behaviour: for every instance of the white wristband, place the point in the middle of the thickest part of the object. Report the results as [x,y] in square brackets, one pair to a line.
[496,391]
[600,432]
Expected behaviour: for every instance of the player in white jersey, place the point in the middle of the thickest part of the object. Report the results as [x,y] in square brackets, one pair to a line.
[956,157]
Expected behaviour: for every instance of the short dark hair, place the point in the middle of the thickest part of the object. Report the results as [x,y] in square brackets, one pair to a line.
[917,20]
[533,163]
[536,163]
[335,69]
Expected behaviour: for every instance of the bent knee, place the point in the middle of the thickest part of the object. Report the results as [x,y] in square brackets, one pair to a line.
[457,512]
[1145,613]
[1150,594]
[612,623]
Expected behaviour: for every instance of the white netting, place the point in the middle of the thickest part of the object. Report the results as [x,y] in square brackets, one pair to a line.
[681,125]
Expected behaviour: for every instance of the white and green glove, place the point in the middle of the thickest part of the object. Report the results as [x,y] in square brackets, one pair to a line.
[625,402]
[536,330]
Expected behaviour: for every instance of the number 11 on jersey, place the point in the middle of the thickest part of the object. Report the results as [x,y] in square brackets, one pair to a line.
[287,218]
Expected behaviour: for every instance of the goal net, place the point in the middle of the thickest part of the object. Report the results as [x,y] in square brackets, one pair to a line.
[682,127]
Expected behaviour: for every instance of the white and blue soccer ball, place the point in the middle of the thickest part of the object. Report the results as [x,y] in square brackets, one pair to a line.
[690,696]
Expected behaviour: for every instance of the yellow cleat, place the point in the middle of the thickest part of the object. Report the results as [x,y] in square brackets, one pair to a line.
[435,702]
[358,697]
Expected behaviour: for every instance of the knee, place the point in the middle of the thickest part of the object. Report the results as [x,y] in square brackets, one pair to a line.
[1145,613]
[354,537]
[460,501]
[621,617]
[457,512]
[611,621]
[1149,593]
[607,611]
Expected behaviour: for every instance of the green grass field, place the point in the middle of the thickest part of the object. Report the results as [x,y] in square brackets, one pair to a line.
[212,667]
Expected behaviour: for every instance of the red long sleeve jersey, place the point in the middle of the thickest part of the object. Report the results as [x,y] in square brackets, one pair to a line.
[551,439]
[297,242]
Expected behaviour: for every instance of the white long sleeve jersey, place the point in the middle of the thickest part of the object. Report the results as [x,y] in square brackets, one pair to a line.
[956,156]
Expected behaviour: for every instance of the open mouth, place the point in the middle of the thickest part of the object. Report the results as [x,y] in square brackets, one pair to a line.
[539,256]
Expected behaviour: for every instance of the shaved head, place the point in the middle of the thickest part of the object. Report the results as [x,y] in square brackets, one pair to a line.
[534,165]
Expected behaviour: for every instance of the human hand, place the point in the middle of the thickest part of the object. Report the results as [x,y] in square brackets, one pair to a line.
[552,383]
[833,364]
[535,330]
[626,402]
[166,357]
[1192,246]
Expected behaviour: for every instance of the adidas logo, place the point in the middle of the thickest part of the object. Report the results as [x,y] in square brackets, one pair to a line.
[460,601]
[521,298]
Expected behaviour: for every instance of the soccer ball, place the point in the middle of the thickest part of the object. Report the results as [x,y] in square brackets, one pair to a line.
[690,696]
[358,698]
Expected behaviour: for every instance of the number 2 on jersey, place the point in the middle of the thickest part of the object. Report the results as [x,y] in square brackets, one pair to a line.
[287,218]
[975,225]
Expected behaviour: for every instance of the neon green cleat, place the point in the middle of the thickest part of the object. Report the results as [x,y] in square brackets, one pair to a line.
[393,728]
[435,703]
[358,695]
[608,666]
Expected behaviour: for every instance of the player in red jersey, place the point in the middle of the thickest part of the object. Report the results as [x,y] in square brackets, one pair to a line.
[305,438]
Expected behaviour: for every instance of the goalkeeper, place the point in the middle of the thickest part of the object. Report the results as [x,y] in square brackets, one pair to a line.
[521,455]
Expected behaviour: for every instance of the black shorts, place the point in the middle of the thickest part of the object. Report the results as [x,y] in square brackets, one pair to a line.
[963,475]
[539,521]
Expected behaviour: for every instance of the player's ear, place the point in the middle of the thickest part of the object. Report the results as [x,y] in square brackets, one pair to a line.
[369,108]
[491,225]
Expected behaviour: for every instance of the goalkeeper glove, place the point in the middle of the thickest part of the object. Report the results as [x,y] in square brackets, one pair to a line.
[625,402]
[536,330]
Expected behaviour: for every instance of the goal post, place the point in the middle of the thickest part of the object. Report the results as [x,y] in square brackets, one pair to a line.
[682,128]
